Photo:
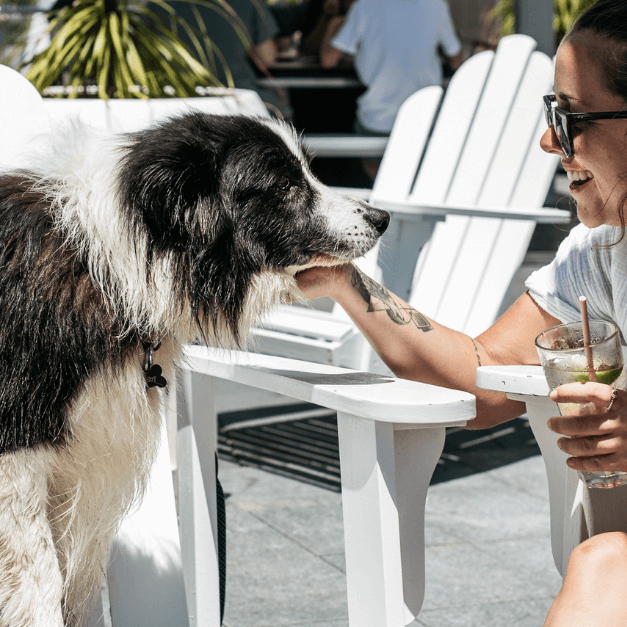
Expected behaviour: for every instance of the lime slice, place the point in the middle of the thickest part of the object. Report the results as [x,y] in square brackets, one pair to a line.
[603,376]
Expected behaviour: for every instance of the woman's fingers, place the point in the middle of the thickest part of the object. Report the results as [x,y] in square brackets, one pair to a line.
[321,281]
[577,426]
[589,446]
[605,463]
[598,393]
[595,422]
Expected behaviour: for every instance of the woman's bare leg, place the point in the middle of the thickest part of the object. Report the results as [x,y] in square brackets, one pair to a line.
[594,592]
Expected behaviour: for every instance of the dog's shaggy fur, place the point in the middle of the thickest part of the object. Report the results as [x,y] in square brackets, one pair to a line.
[190,229]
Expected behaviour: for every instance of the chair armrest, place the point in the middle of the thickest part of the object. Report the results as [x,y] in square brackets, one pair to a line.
[524,380]
[390,436]
[362,394]
[541,215]
[329,145]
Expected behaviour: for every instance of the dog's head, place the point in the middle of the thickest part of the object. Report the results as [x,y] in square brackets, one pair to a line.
[228,199]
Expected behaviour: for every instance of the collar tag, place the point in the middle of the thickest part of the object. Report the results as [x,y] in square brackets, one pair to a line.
[152,372]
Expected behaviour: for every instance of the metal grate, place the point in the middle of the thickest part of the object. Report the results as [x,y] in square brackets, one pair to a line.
[300,442]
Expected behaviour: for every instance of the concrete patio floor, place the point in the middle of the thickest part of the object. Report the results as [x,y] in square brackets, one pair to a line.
[488,557]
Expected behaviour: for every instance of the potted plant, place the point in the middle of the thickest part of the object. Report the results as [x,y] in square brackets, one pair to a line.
[124,49]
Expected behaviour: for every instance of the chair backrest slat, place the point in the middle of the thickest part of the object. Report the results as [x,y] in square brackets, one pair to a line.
[449,134]
[397,171]
[495,109]
[22,117]
[493,249]
[405,147]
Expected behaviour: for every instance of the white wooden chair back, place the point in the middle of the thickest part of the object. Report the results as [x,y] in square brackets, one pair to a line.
[484,152]
[397,173]
[22,117]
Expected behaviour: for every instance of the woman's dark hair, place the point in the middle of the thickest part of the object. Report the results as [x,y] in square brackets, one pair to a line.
[608,19]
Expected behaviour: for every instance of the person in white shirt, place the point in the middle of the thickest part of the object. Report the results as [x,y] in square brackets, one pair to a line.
[397,47]
[587,127]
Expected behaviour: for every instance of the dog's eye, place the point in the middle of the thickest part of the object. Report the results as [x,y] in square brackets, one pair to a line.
[284,183]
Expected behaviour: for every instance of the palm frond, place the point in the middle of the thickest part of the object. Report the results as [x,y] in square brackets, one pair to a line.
[125,49]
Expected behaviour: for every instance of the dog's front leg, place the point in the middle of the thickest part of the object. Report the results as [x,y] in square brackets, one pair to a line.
[31,585]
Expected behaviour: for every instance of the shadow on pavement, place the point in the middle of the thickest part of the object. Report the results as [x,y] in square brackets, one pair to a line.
[300,441]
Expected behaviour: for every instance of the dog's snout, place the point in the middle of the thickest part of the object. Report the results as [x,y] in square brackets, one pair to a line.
[378,218]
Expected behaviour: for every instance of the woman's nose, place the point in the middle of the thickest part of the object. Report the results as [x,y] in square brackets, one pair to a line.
[550,143]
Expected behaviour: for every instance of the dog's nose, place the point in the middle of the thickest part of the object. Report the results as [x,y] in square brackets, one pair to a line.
[378,218]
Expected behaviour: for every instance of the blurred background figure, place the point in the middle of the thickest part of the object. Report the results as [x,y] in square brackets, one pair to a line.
[398,47]
[304,24]
[321,14]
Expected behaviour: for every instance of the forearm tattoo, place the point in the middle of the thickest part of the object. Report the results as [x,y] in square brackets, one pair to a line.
[476,352]
[379,299]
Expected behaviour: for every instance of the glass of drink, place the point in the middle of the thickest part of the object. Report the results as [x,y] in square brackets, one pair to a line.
[564,359]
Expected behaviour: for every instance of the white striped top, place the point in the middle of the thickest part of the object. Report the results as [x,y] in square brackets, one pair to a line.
[580,269]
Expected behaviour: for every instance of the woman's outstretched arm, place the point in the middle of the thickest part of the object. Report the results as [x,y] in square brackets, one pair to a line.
[418,348]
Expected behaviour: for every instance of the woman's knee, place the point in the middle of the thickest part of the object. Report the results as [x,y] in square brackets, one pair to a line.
[607,551]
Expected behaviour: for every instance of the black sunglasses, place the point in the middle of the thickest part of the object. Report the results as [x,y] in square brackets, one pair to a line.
[563,120]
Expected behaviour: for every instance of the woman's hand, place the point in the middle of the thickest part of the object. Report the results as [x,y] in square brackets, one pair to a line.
[323,281]
[596,441]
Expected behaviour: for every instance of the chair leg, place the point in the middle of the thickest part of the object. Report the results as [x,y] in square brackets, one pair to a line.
[196,447]
[566,496]
[386,471]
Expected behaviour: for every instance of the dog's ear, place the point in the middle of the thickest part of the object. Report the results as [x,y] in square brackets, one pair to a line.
[169,182]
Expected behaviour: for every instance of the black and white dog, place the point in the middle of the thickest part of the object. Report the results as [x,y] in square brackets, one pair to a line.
[109,247]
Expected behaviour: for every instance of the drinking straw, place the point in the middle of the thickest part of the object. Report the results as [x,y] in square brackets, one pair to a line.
[583,306]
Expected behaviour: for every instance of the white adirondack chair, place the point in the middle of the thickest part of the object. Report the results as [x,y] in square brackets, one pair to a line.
[22,116]
[577,512]
[478,177]
[391,433]
[389,448]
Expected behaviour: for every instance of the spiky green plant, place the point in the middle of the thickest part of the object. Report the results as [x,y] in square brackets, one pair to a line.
[125,49]
[501,18]
[565,12]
